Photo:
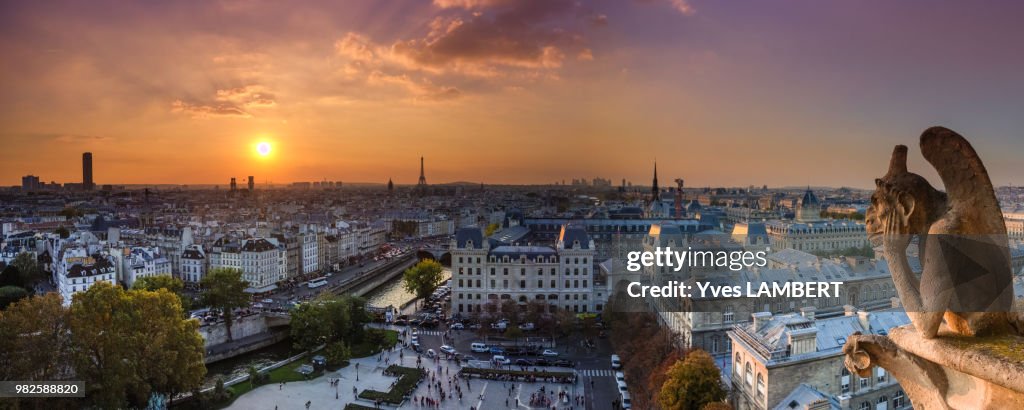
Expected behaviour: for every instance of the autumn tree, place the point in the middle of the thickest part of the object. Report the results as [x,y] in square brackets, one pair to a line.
[127,345]
[423,278]
[224,289]
[172,284]
[692,383]
[34,339]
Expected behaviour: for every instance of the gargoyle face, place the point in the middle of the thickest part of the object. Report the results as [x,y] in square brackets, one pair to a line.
[890,213]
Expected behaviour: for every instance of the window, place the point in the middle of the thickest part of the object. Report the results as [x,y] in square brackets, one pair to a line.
[845,380]
[522,284]
[736,364]
[898,400]
[880,374]
[760,385]
[864,382]
[865,406]
[883,403]
[553,283]
[540,284]
[750,375]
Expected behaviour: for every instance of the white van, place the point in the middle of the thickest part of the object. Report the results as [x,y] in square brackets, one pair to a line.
[479,348]
[626,404]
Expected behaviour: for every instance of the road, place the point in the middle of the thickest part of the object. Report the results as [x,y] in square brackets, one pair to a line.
[597,379]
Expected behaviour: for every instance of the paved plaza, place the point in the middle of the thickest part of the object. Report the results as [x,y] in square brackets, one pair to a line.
[478,393]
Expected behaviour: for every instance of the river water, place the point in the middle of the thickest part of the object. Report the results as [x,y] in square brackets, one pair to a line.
[390,293]
[393,293]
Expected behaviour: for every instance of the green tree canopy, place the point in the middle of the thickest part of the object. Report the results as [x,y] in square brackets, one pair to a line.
[10,276]
[692,383]
[11,294]
[224,289]
[127,345]
[328,319]
[29,268]
[423,278]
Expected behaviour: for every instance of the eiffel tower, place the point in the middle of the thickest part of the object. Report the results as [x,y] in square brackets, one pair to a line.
[421,186]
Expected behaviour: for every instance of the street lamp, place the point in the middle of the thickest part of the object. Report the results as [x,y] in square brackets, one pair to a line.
[357,371]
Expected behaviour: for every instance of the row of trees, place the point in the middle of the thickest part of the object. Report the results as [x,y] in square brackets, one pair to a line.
[124,344]
[660,374]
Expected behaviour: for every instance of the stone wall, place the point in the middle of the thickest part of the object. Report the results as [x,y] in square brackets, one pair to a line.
[242,327]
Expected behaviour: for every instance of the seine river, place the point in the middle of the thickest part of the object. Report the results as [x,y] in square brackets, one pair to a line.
[391,293]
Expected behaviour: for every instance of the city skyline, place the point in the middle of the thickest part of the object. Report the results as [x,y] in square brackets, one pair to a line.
[503,92]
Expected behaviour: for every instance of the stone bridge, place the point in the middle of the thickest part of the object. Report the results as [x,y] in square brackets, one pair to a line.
[440,254]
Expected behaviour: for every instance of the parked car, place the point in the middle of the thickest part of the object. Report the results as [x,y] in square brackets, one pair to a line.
[524,362]
[549,353]
[564,363]
[620,377]
[416,347]
[457,326]
[542,362]
[500,360]
[515,351]
[527,326]
[431,353]
[447,349]
[475,326]
[497,350]
[616,362]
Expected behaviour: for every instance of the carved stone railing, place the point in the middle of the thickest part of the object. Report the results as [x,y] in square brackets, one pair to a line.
[947,372]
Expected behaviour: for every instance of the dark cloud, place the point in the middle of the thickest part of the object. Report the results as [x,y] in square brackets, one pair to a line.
[204,111]
[517,34]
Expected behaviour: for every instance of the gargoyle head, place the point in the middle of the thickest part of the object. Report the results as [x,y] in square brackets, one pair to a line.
[903,203]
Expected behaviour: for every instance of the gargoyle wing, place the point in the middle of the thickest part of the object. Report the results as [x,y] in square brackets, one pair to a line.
[968,186]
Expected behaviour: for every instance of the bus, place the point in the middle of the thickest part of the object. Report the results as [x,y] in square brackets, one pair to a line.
[316,283]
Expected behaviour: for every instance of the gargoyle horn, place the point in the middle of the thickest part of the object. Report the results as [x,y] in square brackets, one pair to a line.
[898,163]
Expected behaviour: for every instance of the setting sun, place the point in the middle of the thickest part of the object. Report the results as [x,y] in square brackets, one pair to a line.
[263,148]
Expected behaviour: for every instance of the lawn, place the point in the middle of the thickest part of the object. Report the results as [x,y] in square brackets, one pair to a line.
[408,378]
[368,347]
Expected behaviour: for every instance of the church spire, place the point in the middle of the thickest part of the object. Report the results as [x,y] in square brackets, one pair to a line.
[654,183]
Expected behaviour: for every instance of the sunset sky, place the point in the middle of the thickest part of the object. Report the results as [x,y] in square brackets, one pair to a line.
[504,91]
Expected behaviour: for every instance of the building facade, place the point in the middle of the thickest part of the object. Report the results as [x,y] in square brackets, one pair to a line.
[561,276]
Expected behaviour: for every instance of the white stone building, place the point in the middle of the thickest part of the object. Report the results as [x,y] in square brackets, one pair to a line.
[561,276]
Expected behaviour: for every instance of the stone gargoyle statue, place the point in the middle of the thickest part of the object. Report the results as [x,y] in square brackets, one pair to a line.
[966,274]
[959,352]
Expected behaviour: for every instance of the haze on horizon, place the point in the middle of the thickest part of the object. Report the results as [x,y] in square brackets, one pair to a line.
[504,91]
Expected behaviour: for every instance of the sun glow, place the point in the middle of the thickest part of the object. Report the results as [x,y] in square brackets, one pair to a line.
[263,149]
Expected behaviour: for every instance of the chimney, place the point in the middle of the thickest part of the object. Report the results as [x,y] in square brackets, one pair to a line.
[807,312]
[863,317]
[760,319]
[849,310]
[896,302]
[844,401]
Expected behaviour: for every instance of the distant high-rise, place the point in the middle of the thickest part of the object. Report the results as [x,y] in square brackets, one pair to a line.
[29,183]
[234,185]
[87,183]
[391,186]
[252,183]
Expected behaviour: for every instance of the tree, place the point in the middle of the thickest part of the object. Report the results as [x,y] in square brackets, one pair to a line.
[423,278]
[513,332]
[10,276]
[224,289]
[337,353]
[127,345]
[11,294]
[491,229]
[29,268]
[692,383]
[328,319]
[62,231]
[34,339]
[254,376]
[718,405]
[172,284]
